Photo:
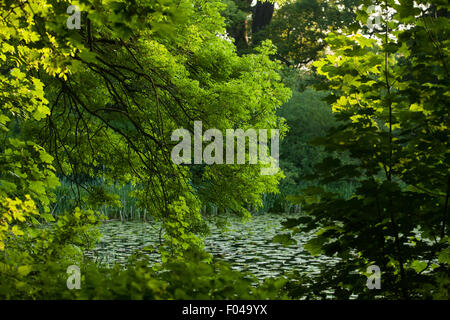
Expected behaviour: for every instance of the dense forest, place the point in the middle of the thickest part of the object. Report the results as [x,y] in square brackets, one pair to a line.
[348,101]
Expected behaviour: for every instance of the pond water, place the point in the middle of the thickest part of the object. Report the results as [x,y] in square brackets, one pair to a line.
[247,246]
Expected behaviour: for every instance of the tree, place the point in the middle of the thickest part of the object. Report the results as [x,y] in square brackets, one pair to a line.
[390,93]
[262,15]
[117,88]
[237,23]
[245,20]
[298,29]
[308,117]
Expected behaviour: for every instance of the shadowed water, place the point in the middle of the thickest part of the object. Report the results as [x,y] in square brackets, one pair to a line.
[247,246]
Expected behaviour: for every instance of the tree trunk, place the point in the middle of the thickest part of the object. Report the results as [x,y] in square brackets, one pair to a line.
[262,15]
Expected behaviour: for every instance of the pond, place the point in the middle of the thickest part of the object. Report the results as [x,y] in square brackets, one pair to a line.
[248,246]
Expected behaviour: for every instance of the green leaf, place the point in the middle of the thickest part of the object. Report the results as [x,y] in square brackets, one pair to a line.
[444,256]
[285,239]
[314,246]
[418,266]
[24,270]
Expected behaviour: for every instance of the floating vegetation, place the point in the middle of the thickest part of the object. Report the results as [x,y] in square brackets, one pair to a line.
[247,246]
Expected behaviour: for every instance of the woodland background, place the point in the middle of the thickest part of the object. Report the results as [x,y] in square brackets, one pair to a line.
[85,124]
